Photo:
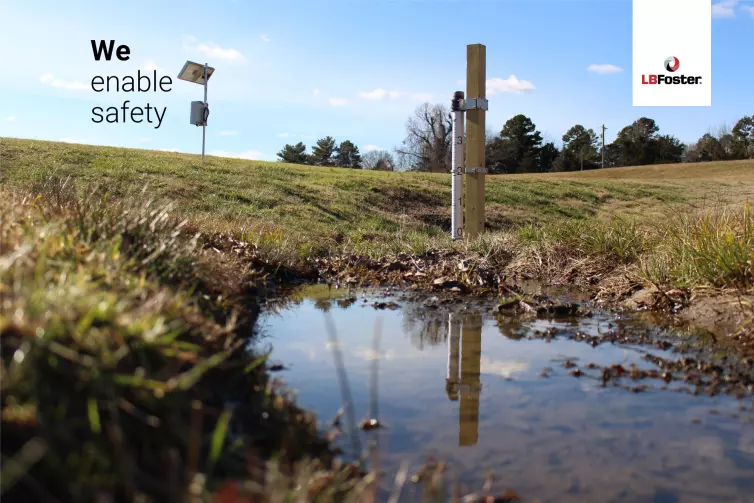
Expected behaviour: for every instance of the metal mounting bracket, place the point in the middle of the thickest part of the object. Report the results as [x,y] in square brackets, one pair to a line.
[476,104]
[476,170]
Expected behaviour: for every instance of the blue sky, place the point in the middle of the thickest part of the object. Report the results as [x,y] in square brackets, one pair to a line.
[289,71]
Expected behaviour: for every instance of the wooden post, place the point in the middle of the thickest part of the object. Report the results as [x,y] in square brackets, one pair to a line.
[471,386]
[476,79]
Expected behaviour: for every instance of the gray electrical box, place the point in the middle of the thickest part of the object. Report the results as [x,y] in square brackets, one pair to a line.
[199,113]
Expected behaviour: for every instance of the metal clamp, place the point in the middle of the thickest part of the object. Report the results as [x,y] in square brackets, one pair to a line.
[476,104]
[476,170]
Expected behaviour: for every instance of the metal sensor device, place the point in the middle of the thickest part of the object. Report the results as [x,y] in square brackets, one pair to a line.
[199,113]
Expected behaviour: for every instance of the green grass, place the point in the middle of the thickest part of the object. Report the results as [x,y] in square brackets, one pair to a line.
[125,304]
[310,211]
[292,213]
[123,342]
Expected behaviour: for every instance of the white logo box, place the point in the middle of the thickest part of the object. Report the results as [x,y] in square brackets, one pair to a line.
[664,29]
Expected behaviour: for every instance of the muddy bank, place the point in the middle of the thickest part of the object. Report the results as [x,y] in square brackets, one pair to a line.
[724,314]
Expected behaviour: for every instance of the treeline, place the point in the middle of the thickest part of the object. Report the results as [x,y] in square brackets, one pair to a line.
[520,148]
[324,153]
[344,155]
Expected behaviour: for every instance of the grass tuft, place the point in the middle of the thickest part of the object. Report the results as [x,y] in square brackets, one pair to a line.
[713,247]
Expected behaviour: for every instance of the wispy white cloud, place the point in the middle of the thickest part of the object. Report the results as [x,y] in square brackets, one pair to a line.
[370,148]
[264,37]
[604,68]
[315,92]
[228,133]
[213,51]
[509,85]
[377,94]
[151,65]
[749,9]
[294,135]
[249,154]
[337,102]
[724,9]
[11,118]
[72,85]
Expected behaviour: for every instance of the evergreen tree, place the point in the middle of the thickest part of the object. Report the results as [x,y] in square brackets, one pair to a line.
[294,154]
[580,150]
[322,153]
[348,156]
[743,138]
[516,149]
[548,155]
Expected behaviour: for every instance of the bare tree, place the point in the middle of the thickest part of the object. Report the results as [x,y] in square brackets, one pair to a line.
[379,160]
[428,142]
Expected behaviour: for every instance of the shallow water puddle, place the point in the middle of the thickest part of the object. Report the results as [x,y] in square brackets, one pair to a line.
[461,385]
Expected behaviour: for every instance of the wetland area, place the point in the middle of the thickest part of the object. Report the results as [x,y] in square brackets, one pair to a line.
[560,403]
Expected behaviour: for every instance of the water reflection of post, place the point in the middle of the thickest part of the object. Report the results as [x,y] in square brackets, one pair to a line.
[454,353]
[471,386]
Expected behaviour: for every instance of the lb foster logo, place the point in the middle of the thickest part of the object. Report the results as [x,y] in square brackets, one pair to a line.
[672,64]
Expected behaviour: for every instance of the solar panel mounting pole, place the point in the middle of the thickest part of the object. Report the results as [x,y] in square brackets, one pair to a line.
[198,74]
[204,126]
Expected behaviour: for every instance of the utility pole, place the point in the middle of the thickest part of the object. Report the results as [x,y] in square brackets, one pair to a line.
[603,146]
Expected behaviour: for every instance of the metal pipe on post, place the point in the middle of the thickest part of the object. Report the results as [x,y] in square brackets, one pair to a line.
[458,152]
[476,107]
[204,126]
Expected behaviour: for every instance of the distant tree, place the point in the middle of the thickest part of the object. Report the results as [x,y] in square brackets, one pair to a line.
[725,137]
[633,143]
[294,154]
[743,138]
[499,155]
[347,155]
[322,152]
[639,144]
[579,150]
[516,149]
[707,148]
[378,160]
[668,149]
[427,145]
[548,155]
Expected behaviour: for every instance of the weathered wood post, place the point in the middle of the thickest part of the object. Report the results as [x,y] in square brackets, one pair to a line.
[476,108]
[471,385]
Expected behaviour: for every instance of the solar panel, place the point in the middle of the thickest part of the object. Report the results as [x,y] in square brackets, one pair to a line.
[194,72]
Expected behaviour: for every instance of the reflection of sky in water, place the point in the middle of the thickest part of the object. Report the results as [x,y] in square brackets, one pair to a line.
[558,438]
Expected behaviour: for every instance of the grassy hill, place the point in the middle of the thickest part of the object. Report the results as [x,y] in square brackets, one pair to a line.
[310,211]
